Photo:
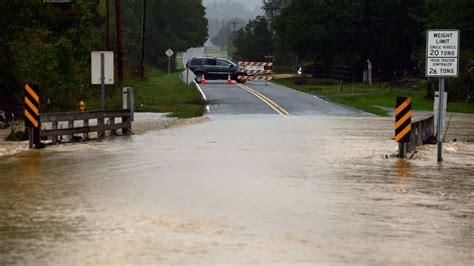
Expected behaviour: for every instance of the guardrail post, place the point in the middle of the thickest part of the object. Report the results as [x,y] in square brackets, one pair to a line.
[55,137]
[128,101]
[70,124]
[100,123]
[113,132]
[86,124]
[30,135]
[402,150]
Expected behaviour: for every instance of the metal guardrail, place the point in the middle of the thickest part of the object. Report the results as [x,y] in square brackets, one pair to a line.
[422,133]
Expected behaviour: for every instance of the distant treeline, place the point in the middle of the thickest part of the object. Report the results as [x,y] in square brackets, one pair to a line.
[391,34]
[50,44]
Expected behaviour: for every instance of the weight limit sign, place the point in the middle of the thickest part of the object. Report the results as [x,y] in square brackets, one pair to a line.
[442,53]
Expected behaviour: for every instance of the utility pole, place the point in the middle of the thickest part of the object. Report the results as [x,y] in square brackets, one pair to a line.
[118,22]
[107,25]
[229,38]
[228,41]
[234,25]
[368,21]
[142,59]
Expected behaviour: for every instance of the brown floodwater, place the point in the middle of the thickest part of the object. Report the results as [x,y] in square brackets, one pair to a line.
[240,189]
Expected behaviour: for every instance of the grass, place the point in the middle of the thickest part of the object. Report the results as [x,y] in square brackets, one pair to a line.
[370,98]
[161,93]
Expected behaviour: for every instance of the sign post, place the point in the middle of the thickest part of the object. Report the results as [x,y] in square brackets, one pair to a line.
[442,61]
[169,53]
[32,115]
[403,124]
[102,72]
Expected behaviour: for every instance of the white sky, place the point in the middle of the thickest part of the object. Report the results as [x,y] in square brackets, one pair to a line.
[250,4]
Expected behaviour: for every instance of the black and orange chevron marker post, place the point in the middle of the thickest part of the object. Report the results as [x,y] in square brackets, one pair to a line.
[32,114]
[403,115]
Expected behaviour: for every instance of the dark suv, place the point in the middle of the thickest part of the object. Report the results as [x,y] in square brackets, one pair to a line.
[214,68]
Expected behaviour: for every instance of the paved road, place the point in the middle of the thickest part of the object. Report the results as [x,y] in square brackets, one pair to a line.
[257,98]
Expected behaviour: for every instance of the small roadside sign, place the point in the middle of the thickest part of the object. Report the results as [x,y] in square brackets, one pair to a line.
[442,61]
[187,76]
[96,67]
[442,53]
[169,53]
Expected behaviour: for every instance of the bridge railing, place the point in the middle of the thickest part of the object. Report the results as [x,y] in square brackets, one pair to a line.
[422,132]
[70,124]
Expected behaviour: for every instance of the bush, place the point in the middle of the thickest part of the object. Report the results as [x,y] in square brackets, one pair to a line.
[17,136]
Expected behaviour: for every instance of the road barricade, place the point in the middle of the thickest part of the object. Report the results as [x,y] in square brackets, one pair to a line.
[259,71]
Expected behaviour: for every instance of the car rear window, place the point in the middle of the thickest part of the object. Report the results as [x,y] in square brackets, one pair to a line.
[196,62]
[210,62]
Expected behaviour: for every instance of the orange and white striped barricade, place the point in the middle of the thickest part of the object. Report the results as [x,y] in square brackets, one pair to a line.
[261,71]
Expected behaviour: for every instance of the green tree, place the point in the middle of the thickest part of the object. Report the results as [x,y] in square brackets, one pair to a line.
[253,42]
[49,45]
[178,25]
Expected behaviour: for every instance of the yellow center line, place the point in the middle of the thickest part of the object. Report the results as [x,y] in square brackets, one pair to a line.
[265,99]
[272,102]
[261,98]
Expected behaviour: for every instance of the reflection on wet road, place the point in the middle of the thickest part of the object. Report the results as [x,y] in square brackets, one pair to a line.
[260,189]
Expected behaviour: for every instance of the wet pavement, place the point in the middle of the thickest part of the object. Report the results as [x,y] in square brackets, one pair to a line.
[234,100]
[261,189]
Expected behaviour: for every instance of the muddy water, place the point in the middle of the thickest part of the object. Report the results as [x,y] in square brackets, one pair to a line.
[240,190]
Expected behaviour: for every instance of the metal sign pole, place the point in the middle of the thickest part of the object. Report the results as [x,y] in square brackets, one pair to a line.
[102,82]
[440,119]
[187,76]
[169,65]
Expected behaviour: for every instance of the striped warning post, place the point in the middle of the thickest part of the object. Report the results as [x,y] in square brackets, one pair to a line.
[256,71]
[403,120]
[254,78]
[260,64]
[32,100]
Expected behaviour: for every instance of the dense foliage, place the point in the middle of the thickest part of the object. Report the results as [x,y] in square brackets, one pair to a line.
[391,34]
[253,42]
[50,44]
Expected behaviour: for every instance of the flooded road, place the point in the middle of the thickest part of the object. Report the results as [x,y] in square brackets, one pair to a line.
[240,189]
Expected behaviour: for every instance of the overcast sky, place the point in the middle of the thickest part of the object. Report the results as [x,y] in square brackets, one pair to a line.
[250,4]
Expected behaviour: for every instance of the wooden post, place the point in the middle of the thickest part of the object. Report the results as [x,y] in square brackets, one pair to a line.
[86,124]
[402,150]
[54,127]
[100,123]
[70,124]
[113,132]
[126,130]
[30,134]
[118,24]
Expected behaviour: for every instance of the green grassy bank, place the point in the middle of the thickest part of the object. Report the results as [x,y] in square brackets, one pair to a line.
[161,93]
[370,98]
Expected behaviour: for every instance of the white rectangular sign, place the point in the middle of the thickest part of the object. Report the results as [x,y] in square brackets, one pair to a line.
[442,53]
[108,67]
